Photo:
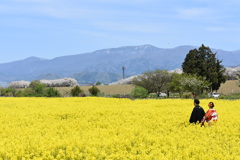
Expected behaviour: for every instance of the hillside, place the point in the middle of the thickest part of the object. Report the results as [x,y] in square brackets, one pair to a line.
[230,86]
[104,89]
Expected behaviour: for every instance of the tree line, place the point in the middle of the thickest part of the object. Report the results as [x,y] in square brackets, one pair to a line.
[38,89]
[202,71]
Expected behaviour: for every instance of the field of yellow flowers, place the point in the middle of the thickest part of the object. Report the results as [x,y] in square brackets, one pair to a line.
[108,128]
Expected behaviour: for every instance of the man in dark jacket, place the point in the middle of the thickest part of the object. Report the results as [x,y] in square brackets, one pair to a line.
[197,113]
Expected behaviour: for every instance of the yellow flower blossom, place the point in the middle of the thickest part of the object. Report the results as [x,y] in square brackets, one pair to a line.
[108,128]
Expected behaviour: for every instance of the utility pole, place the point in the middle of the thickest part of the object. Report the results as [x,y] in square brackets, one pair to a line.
[123,68]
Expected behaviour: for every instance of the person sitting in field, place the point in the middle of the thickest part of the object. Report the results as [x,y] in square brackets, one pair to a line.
[211,115]
[197,113]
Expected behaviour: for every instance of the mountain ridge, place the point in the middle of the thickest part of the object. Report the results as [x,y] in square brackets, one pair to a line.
[106,63]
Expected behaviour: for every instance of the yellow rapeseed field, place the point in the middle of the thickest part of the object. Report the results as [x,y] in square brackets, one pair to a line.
[117,129]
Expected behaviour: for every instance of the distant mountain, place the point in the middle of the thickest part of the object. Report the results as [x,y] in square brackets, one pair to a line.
[105,65]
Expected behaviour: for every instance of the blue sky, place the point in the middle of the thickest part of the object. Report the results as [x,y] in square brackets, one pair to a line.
[53,28]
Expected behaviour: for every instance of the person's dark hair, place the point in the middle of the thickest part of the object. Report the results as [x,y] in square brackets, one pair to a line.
[211,104]
[196,101]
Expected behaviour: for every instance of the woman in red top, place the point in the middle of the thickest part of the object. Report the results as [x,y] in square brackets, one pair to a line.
[211,115]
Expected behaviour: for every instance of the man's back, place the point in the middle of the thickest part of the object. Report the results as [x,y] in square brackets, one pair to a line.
[197,114]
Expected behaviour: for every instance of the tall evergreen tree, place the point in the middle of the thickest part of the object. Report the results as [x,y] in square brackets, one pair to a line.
[203,62]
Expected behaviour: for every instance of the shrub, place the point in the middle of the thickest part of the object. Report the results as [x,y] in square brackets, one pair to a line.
[230,96]
[19,93]
[76,91]
[139,92]
[28,92]
[94,90]
[153,95]
[101,94]
[187,96]
[7,92]
[38,88]
[51,92]
[116,96]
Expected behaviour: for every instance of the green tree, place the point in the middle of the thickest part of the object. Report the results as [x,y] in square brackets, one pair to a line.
[76,91]
[38,88]
[8,92]
[194,84]
[28,92]
[175,84]
[94,91]
[154,81]
[203,62]
[139,92]
[19,93]
[98,83]
[51,92]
